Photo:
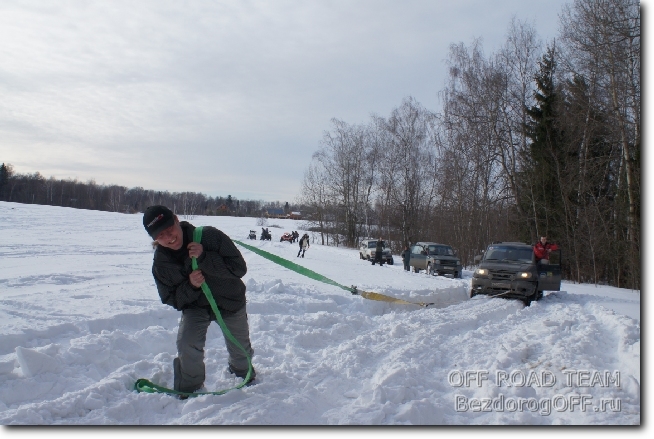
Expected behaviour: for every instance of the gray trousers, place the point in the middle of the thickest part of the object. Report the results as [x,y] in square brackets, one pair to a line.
[189,372]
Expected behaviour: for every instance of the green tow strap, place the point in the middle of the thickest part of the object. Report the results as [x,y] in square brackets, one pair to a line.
[293,266]
[143,385]
[319,277]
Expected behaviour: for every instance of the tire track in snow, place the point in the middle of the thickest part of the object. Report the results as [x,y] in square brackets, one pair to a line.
[560,335]
[405,352]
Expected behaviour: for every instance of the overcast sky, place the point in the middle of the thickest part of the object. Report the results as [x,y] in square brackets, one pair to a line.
[221,97]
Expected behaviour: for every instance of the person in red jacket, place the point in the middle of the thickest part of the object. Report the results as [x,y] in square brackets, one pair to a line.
[542,250]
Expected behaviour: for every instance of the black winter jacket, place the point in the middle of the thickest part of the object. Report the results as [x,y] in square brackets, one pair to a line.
[221,263]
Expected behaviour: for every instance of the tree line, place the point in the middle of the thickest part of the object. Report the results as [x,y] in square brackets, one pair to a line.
[36,189]
[532,140]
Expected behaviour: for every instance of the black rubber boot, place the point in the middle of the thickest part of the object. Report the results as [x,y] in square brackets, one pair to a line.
[242,373]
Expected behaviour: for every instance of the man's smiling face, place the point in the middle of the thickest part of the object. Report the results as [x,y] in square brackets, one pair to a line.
[171,237]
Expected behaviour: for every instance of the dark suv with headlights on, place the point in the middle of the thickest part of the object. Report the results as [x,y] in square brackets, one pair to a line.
[435,259]
[509,269]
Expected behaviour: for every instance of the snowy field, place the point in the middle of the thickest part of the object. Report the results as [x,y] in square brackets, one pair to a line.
[81,320]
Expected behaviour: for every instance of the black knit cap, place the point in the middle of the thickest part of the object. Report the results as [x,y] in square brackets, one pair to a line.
[156,219]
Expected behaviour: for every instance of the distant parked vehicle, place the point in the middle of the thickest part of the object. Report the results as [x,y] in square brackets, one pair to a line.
[286,237]
[367,251]
[435,259]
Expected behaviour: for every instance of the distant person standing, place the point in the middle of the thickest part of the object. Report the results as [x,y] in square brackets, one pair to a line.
[406,258]
[304,244]
[379,249]
[542,250]
[221,266]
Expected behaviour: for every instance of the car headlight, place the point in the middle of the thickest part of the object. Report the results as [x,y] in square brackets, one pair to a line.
[523,275]
[481,272]
[437,261]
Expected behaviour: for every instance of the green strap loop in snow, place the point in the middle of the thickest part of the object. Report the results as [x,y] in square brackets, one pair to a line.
[319,277]
[143,385]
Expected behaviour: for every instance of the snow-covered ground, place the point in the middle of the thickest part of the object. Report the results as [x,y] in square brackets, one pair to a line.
[81,321]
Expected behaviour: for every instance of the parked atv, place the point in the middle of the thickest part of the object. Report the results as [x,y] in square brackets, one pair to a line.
[265,234]
[252,235]
[287,237]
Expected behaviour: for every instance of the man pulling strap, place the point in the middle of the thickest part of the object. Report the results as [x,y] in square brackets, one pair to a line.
[221,266]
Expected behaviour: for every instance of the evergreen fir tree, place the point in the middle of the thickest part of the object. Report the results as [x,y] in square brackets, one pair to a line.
[4,179]
[546,154]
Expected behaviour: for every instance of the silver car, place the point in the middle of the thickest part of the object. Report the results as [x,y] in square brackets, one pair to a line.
[368,248]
